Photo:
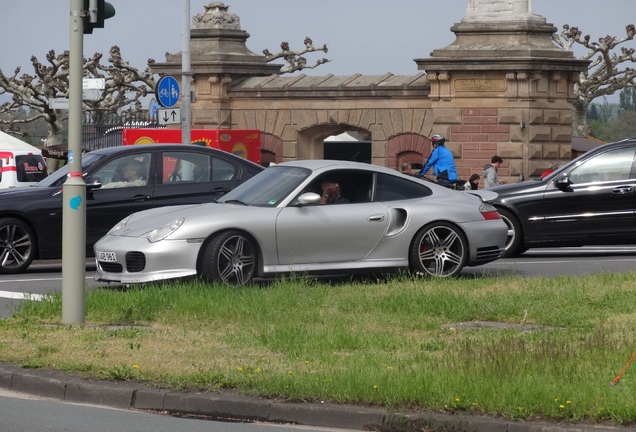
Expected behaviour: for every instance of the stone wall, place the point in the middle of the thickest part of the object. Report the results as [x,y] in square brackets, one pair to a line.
[500,88]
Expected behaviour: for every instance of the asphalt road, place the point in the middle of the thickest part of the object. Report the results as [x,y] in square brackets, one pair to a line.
[45,277]
[561,262]
[27,413]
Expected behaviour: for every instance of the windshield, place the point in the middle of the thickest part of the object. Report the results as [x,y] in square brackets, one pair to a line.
[58,177]
[269,187]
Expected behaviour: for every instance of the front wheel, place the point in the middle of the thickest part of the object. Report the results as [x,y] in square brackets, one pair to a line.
[230,258]
[17,246]
[439,249]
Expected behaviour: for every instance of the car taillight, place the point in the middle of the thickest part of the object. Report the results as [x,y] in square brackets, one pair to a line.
[489,212]
[490,215]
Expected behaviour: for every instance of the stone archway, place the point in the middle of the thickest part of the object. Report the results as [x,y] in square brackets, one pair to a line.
[407,148]
[310,141]
[271,149]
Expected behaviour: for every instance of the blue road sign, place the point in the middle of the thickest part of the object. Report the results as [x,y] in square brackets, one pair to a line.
[167,91]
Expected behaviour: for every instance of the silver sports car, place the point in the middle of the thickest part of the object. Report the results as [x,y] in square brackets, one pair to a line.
[276,223]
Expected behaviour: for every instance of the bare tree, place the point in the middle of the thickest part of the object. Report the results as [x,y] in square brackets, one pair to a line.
[605,75]
[294,60]
[124,85]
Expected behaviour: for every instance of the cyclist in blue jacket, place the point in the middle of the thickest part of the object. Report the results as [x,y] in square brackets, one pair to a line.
[442,161]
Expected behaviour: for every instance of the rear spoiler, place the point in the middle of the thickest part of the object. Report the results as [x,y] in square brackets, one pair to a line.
[485,194]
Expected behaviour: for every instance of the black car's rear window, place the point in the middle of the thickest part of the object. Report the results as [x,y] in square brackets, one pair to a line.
[30,168]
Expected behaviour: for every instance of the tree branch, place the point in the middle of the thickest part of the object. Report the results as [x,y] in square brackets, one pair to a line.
[294,60]
[605,74]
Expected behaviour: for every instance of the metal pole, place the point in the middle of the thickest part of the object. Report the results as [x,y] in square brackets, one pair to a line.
[74,192]
[186,98]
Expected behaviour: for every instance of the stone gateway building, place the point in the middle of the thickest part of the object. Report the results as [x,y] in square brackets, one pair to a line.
[501,88]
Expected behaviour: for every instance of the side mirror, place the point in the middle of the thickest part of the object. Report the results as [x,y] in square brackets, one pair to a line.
[93,182]
[308,198]
[563,183]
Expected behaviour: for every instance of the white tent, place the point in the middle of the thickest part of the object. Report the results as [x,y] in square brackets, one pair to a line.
[7,142]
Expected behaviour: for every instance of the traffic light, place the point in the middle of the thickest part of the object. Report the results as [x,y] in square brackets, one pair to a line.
[98,11]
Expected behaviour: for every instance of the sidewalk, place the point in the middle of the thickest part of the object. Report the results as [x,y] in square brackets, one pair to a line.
[229,405]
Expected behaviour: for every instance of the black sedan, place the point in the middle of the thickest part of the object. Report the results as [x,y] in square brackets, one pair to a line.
[167,174]
[589,201]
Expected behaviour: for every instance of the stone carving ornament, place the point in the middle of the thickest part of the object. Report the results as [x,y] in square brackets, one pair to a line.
[216,16]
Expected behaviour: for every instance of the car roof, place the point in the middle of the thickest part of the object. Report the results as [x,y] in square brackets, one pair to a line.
[319,164]
[137,147]
[603,147]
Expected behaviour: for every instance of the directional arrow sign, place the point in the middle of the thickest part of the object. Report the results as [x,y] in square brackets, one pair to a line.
[94,83]
[58,103]
[166,116]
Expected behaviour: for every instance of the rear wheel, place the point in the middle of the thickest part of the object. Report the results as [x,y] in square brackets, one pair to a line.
[17,246]
[513,240]
[439,249]
[230,258]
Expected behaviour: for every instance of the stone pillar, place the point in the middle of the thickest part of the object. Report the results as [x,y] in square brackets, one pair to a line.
[513,86]
[218,57]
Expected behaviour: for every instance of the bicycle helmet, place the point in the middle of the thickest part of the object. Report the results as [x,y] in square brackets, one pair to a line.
[438,139]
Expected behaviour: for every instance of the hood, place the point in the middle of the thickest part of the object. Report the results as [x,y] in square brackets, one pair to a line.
[488,166]
[512,190]
[196,217]
[26,193]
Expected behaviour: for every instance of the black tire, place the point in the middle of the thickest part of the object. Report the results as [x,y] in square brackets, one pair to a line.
[439,249]
[230,258]
[17,246]
[514,240]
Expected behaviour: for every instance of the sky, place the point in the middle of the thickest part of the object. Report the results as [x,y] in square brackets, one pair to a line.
[363,36]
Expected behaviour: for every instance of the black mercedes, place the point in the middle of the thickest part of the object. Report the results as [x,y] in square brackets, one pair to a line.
[166,174]
[589,201]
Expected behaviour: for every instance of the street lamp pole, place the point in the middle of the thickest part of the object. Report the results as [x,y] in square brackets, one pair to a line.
[186,98]
[74,191]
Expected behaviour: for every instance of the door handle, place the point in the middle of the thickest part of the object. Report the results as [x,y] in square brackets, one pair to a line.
[376,218]
[622,190]
[140,198]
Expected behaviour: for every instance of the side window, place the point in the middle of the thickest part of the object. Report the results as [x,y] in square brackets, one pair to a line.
[393,188]
[609,166]
[127,171]
[354,186]
[185,167]
[223,170]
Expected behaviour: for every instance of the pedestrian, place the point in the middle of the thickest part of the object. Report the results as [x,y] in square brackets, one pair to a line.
[442,162]
[406,168]
[473,181]
[491,176]
[550,169]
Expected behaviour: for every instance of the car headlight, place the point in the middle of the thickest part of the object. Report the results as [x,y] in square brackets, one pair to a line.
[119,225]
[163,232]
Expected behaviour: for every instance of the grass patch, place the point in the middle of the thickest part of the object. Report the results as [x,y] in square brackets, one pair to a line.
[392,342]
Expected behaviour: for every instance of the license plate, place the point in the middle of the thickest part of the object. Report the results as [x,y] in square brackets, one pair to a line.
[106,257]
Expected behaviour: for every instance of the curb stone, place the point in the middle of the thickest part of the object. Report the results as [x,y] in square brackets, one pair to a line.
[229,405]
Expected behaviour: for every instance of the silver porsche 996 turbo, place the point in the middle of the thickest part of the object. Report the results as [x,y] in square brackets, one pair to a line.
[307,217]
